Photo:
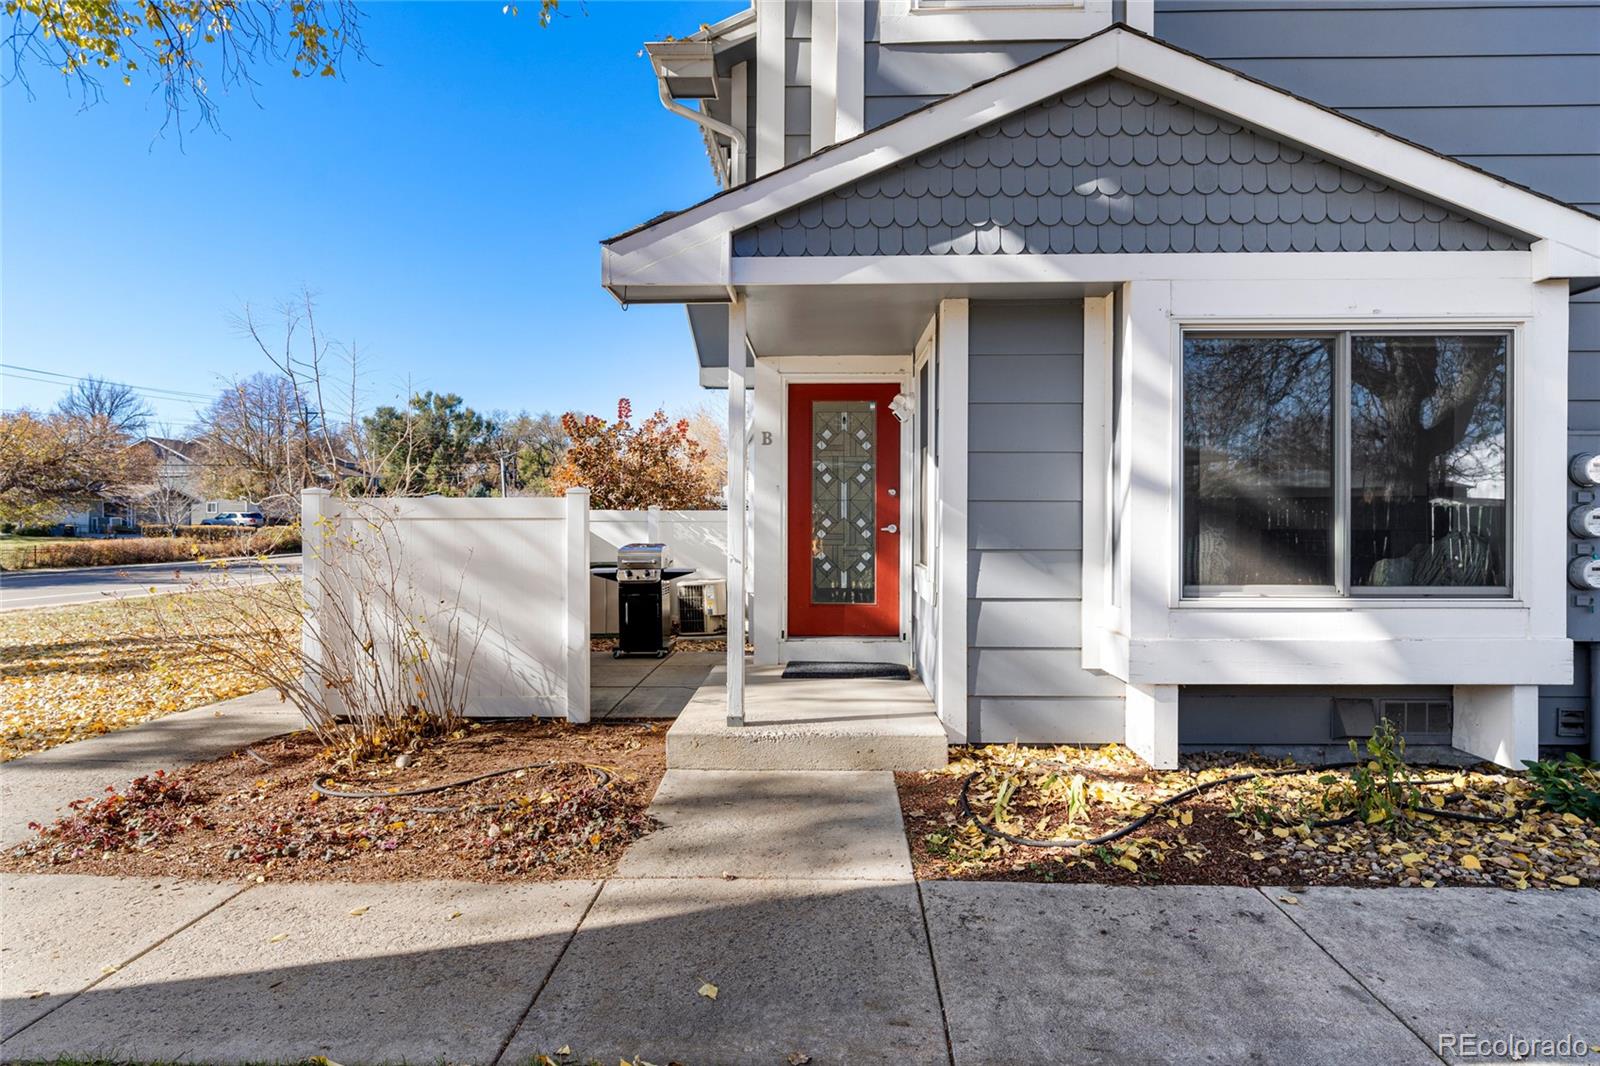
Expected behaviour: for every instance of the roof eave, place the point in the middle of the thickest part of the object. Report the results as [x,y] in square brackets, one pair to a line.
[1570,232]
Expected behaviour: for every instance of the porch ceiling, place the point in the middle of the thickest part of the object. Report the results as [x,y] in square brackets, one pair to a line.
[831,320]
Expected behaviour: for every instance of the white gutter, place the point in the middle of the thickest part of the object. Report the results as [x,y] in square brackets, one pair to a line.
[706,122]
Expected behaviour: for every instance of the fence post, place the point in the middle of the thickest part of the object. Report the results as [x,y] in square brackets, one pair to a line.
[315,539]
[576,567]
[652,524]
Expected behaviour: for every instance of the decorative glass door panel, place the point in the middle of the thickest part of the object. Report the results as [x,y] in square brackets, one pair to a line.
[844,511]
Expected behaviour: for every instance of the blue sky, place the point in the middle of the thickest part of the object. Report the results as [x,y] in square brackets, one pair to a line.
[444,200]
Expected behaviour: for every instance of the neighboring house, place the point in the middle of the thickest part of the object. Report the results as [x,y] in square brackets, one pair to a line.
[1240,391]
[172,496]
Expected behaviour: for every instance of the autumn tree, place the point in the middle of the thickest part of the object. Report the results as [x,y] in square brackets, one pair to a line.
[185,48]
[627,467]
[707,427]
[51,462]
[119,404]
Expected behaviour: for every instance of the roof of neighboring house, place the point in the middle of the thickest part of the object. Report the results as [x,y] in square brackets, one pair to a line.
[987,88]
[188,450]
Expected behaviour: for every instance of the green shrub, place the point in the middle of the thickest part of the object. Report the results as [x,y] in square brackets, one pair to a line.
[1570,786]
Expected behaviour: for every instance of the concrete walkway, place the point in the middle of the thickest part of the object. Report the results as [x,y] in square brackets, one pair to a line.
[37,788]
[792,894]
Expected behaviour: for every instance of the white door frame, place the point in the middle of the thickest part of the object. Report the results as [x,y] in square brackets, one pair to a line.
[773,377]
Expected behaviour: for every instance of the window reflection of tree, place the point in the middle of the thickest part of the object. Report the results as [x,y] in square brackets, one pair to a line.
[1428,459]
[1258,457]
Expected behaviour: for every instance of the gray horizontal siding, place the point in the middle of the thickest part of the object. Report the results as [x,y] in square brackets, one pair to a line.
[1267,30]
[941,69]
[1024,624]
[1343,82]
[881,109]
[1034,672]
[1003,476]
[1025,525]
[1025,575]
[1042,720]
[1112,167]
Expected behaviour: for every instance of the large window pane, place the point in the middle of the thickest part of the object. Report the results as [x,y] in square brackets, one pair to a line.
[1258,460]
[1428,461]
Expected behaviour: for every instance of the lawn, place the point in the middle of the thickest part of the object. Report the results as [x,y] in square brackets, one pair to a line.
[74,672]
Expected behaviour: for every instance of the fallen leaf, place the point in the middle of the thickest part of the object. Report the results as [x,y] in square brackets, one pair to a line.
[108,970]
[798,1058]
[708,990]
[564,1049]
[1292,901]
[1470,862]
[358,912]
[280,936]
[1568,880]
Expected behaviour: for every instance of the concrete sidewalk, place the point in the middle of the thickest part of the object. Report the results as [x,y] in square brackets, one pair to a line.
[792,894]
[38,787]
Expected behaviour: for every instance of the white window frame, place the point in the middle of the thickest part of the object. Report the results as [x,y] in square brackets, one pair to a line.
[930,21]
[1343,590]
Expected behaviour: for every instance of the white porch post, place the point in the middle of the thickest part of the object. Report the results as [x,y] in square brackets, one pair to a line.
[952,629]
[576,550]
[736,504]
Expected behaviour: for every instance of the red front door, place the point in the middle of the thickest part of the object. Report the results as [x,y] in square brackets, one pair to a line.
[844,511]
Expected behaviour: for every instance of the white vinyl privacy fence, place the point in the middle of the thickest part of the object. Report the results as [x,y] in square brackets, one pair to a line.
[511,574]
[498,589]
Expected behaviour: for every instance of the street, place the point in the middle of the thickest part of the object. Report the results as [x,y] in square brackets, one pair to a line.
[57,588]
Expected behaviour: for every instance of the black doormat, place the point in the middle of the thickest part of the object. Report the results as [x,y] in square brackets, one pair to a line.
[847,670]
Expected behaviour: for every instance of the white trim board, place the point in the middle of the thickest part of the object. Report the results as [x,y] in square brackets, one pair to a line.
[691,247]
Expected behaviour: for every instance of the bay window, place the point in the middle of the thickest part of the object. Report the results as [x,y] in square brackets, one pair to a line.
[1345,463]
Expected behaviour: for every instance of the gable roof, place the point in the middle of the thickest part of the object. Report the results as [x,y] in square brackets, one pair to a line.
[1108,167]
[690,248]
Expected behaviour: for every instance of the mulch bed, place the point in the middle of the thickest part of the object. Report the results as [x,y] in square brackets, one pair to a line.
[1244,834]
[248,816]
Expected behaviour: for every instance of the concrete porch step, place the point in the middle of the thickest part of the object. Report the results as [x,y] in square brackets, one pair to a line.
[809,724]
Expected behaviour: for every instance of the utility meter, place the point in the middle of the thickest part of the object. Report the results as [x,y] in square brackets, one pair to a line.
[1584,469]
[1584,573]
[1584,521]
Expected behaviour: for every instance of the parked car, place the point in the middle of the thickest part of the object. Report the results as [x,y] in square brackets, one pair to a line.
[249,519]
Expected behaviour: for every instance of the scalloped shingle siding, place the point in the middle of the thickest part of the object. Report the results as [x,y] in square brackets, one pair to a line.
[1113,167]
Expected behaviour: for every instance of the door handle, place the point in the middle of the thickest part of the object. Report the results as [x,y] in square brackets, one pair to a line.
[890,528]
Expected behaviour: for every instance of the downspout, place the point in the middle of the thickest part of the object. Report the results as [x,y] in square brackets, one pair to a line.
[706,122]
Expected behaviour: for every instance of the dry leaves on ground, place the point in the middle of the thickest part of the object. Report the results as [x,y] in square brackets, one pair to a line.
[1262,832]
[73,672]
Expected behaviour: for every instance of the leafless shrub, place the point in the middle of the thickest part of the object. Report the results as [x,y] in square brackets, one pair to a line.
[378,650]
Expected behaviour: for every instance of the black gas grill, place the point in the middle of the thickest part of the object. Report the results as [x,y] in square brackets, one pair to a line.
[644,614]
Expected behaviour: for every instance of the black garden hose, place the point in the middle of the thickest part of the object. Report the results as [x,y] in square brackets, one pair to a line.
[602,778]
[1179,797]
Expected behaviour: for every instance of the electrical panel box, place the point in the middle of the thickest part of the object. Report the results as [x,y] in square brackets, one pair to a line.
[1583,536]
